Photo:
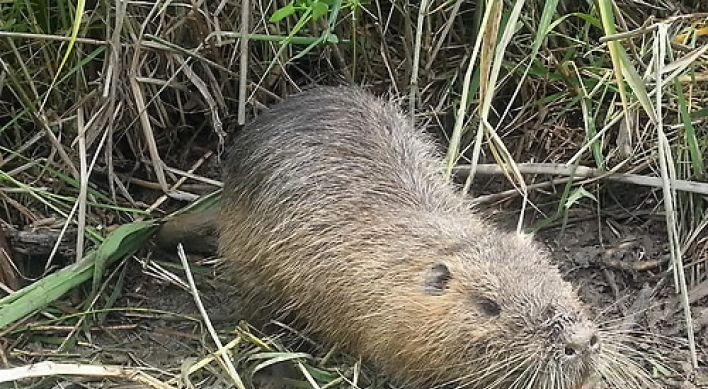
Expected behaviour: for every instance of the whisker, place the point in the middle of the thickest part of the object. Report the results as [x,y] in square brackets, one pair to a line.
[490,370]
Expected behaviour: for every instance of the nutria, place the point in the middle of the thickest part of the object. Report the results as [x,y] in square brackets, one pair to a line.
[334,211]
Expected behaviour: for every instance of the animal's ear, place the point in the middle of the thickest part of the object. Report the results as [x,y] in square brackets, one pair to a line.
[436,279]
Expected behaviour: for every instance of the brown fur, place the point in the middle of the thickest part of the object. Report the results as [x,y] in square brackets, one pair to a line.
[334,210]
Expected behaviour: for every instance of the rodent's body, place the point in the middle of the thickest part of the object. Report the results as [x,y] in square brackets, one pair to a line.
[334,210]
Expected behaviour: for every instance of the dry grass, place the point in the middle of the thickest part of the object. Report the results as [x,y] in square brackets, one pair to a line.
[119,112]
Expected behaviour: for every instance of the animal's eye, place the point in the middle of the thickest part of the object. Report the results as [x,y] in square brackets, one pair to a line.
[488,306]
[436,279]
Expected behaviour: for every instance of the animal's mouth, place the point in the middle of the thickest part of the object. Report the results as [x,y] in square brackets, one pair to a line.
[580,374]
[589,382]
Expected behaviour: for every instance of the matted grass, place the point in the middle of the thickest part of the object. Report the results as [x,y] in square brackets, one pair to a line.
[115,114]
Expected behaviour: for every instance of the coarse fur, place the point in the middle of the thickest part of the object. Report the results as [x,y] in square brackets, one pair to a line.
[335,210]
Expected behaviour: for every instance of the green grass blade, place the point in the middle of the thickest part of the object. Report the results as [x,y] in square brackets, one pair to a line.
[624,140]
[80,6]
[636,83]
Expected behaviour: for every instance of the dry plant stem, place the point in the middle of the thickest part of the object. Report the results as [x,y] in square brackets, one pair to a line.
[110,91]
[26,212]
[142,116]
[23,67]
[55,329]
[587,172]
[632,266]
[42,122]
[668,174]
[204,362]
[181,181]
[153,269]
[628,34]
[148,133]
[696,233]
[194,188]
[594,139]
[59,38]
[51,369]
[195,177]
[221,352]
[443,35]
[382,29]
[76,205]
[20,150]
[58,146]
[83,189]
[243,76]
[163,45]
[513,192]
[342,63]
[413,91]
[204,90]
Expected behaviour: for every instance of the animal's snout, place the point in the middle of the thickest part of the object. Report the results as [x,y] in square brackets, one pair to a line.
[582,340]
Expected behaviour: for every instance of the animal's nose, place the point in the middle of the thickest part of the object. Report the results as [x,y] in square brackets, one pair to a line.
[582,340]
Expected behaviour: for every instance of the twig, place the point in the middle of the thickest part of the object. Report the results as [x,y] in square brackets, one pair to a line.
[243,76]
[628,34]
[189,174]
[587,172]
[50,369]
[511,192]
[51,38]
[84,181]
[181,181]
[413,92]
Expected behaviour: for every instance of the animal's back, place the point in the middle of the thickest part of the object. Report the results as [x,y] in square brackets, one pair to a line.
[334,148]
